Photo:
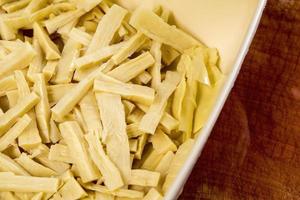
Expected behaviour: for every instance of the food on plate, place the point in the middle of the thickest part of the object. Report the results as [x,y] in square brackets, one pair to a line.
[97,101]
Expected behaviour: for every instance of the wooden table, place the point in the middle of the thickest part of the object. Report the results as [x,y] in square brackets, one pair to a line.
[254,149]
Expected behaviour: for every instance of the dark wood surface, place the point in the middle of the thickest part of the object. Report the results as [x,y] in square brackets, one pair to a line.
[254,149]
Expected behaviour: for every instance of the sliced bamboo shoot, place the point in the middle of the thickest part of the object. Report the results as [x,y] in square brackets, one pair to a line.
[155,70]
[38,196]
[80,36]
[65,30]
[133,145]
[50,69]
[9,165]
[22,85]
[8,195]
[97,56]
[7,83]
[49,48]
[24,195]
[198,69]
[153,116]
[73,136]
[87,5]
[35,5]
[142,139]
[135,116]
[144,178]
[131,46]
[169,54]
[30,137]
[36,66]
[129,107]
[28,183]
[90,113]
[151,159]
[34,168]
[111,174]
[132,68]
[16,5]
[60,20]
[132,92]
[65,67]
[153,194]
[188,110]
[57,166]
[178,99]
[18,59]
[106,28]
[177,163]
[205,104]
[72,190]
[42,109]
[167,122]
[6,32]
[115,136]
[12,151]
[14,132]
[60,152]
[72,97]
[143,78]
[119,192]
[103,196]
[165,163]
[17,22]
[55,93]
[154,27]
[162,143]
[79,119]
[42,13]
[133,130]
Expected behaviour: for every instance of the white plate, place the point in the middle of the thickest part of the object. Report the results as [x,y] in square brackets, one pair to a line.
[228,25]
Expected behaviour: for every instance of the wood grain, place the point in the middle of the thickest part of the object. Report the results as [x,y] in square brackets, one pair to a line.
[254,149]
